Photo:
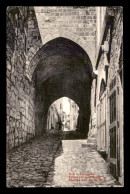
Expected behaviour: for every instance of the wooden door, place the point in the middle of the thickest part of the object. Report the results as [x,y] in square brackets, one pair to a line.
[113,128]
[101,123]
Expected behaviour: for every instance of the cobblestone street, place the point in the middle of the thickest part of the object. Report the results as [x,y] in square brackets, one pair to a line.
[64,96]
[52,162]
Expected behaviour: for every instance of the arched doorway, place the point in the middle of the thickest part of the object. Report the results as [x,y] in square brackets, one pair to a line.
[62,115]
[63,69]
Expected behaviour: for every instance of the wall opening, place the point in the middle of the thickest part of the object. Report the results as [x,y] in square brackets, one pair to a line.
[62,115]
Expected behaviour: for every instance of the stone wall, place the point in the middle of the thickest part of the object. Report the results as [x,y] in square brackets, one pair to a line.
[20,108]
[114,39]
[75,23]
[92,123]
[117,39]
[110,59]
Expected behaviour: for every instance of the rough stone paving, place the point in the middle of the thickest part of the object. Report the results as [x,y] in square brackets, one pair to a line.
[48,161]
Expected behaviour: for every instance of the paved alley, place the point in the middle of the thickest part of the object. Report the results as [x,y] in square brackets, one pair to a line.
[64,76]
[49,161]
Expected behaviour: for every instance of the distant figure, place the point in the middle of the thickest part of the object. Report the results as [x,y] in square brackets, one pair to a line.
[60,125]
[52,127]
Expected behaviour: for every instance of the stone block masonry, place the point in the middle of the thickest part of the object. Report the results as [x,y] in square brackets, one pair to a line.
[75,22]
[117,40]
[20,111]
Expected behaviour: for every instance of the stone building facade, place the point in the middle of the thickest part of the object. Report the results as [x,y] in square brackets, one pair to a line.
[73,115]
[92,34]
[53,118]
[109,92]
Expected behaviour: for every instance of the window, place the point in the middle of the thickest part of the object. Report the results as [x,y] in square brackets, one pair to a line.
[102,88]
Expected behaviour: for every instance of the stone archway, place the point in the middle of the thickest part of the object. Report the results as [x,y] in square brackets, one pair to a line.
[86,46]
[62,68]
[62,116]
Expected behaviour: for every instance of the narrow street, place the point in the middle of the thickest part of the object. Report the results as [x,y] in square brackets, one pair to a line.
[48,161]
[64,96]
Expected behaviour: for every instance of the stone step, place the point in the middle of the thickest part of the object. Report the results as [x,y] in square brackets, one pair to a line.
[89,145]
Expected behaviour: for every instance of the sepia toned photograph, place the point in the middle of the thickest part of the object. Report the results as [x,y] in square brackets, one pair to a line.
[64,102]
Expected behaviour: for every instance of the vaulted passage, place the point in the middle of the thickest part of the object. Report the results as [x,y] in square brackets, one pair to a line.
[73,53]
[63,68]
